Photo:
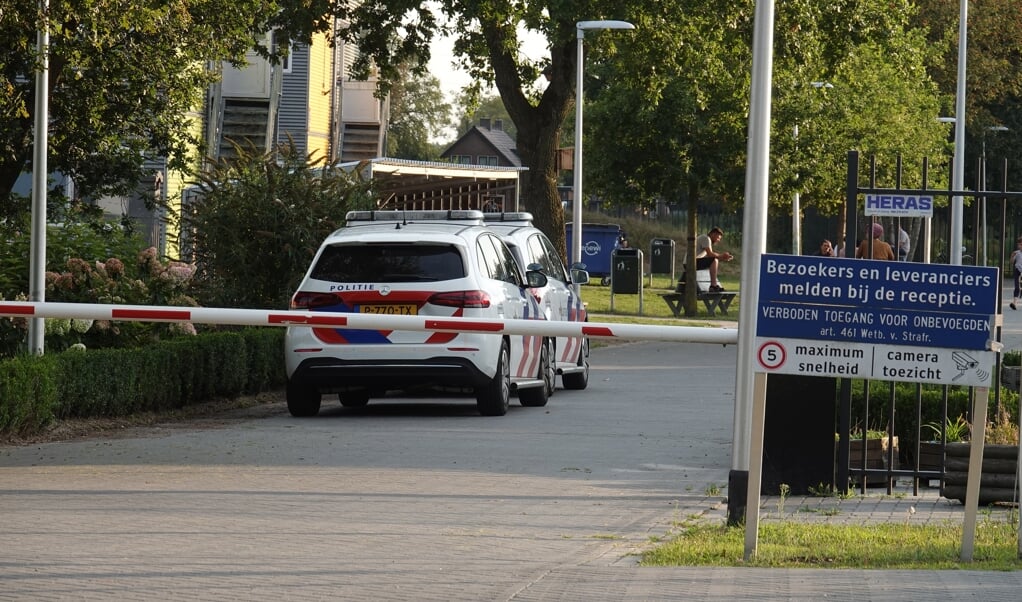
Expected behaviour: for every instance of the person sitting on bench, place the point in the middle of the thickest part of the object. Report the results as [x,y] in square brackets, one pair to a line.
[707,258]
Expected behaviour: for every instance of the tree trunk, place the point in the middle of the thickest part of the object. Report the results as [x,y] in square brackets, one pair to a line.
[691,286]
[539,185]
[538,123]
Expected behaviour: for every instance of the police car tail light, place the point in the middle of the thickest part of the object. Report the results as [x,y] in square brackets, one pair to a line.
[312,300]
[479,299]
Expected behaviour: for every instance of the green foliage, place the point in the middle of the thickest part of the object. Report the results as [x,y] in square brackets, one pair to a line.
[871,434]
[1002,429]
[930,399]
[490,107]
[828,490]
[417,109]
[678,119]
[35,390]
[144,281]
[1012,358]
[81,236]
[994,76]
[29,393]
[260,221]
[957,429]
[122,78]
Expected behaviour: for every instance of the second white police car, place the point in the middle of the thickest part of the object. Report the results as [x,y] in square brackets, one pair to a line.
[559,299]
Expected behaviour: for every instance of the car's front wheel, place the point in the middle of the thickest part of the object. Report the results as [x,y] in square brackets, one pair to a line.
[536,397]
[302,400]
[494,397]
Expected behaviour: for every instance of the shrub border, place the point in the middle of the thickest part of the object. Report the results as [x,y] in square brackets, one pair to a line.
[36,390]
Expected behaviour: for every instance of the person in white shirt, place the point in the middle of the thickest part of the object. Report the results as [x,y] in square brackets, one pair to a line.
[904,245]
[1016,263]
[707,258]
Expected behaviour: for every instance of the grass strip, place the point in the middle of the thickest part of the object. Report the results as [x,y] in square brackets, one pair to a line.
[877,546]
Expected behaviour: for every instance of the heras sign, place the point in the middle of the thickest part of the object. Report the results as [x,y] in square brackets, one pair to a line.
[899,205]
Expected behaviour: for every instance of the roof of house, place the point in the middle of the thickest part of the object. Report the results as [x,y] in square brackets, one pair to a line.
[493,135]
[502,142]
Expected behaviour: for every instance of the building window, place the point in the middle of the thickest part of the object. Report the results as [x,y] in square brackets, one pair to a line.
[285,61]
[490,160]
[461,159]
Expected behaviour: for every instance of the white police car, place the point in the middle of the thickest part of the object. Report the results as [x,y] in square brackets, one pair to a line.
[426,263]
[558,300]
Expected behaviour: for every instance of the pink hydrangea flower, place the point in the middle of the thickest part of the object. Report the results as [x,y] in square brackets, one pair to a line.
[114,267]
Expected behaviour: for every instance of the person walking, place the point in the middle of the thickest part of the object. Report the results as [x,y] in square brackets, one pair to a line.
[1016,264]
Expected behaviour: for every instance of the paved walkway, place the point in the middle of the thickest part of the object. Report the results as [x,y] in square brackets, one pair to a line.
[904,504]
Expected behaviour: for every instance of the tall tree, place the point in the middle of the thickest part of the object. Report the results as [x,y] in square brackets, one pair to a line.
[993,79]
[123,75]
[390,32]
[677,122]
[417,110]
[675,128]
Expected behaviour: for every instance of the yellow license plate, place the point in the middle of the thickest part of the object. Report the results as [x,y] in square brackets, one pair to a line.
[404,309]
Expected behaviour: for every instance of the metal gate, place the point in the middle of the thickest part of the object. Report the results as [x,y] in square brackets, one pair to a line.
[904,413]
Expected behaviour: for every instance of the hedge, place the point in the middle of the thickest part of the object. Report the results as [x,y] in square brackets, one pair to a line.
[36,390]
[905,410]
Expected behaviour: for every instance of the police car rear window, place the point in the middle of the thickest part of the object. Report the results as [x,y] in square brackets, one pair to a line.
[389,263]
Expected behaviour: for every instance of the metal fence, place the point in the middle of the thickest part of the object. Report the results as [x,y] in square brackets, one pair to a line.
[914,418]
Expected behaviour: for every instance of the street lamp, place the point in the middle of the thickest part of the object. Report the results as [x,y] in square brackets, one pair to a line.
[796,210]
[40,180]
[958,165]
[576,204]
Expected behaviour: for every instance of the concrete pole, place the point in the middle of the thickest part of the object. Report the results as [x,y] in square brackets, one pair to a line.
[757,184]
[958,167]
[40,181]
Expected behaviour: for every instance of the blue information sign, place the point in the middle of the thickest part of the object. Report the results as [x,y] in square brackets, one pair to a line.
[882,302]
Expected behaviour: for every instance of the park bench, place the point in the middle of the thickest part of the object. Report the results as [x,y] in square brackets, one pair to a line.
[714,301]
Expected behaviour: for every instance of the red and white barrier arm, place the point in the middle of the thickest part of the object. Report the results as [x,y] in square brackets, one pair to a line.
[264,317]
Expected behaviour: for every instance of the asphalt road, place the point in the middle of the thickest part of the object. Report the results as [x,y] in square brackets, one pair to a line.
[404,499]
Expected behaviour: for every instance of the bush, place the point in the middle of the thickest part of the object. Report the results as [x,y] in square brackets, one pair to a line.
[35,390]
[28,393]
[90,240]
[259,222]
[906,425]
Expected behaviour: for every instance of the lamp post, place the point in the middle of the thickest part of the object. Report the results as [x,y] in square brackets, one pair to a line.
[576,203]
[958,165]
[796,210]
[40,180]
